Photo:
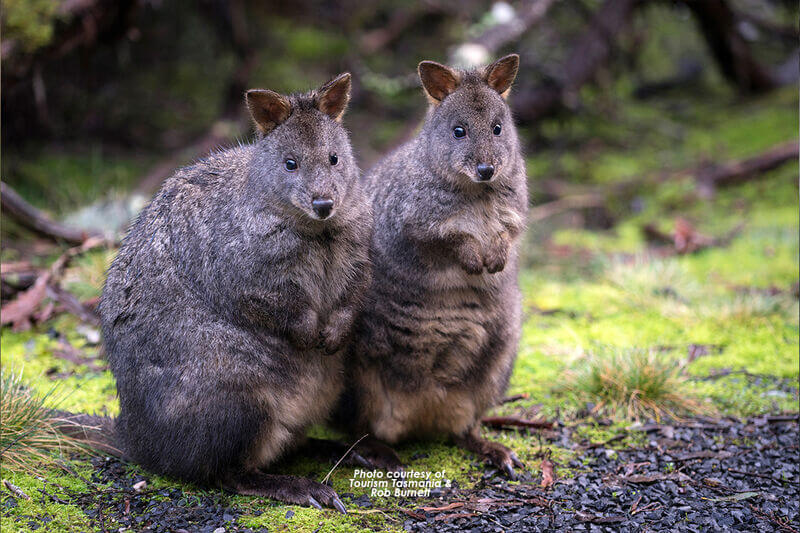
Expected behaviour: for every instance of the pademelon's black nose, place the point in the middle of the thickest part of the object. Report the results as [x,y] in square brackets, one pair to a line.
[322,207]
[485,172]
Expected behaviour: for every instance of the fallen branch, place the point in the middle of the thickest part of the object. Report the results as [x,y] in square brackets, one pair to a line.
[68,352]
[707,176]
[31,218]
[746,169]
[511,421]
[20,311]
[72,305]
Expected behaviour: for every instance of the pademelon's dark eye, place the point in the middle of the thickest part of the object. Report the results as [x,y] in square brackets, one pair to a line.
[459,132]
[290,164]
[334,159]
[497,129]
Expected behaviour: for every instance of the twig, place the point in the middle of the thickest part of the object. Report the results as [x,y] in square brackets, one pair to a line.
[514,398]
[770,517]
[506,421]
[327,477]
[16,490]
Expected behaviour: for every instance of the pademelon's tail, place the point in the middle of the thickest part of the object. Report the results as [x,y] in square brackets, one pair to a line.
[95,431]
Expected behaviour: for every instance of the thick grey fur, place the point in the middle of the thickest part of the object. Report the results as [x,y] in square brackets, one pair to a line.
[225,312]
[437,338]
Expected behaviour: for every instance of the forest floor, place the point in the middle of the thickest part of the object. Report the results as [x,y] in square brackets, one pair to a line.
[724,316]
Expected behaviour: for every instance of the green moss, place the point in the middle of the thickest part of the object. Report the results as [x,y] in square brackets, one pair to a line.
[29,22]
[31,353]
[42,513]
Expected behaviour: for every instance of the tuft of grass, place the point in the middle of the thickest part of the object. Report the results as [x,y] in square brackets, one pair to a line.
[28,437]
[634,384]
[645,279]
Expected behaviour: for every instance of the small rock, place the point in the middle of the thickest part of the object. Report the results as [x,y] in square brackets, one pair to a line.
[139,486]
[91,334]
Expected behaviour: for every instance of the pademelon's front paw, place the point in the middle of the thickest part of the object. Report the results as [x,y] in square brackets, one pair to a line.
[496,254]
[303,333]
[468,254]
[334,334]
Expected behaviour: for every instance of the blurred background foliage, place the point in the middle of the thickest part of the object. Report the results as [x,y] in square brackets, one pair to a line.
[95,94]
[632,113]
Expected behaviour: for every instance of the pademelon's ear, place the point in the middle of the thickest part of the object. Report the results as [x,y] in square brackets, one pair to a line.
[500,74]
[437,80]
[268,108]
[332,98]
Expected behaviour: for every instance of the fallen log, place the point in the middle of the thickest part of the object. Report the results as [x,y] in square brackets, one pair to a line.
[31,218]
[578,201]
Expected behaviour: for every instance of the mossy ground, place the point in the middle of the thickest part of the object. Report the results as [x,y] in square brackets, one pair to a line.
[583,290]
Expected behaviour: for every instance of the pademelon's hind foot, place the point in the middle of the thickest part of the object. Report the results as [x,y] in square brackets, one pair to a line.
[287,489]
[369,453]
[333,451]
[379,454]
[500,456]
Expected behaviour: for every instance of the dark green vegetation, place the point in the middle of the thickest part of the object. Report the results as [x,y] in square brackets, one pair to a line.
[716,327]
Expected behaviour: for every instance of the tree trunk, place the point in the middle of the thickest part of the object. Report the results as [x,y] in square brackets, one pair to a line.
[717,22]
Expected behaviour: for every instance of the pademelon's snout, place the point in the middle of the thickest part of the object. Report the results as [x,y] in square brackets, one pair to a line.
[323,207]
[485,171]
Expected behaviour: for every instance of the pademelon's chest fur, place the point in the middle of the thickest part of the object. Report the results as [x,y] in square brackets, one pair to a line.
[450,336]
[482,218]
[326,266]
